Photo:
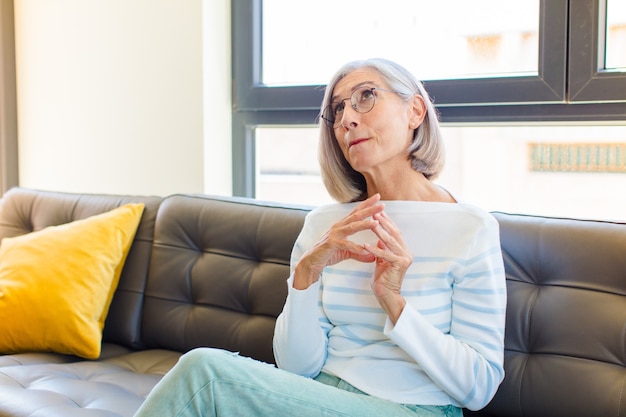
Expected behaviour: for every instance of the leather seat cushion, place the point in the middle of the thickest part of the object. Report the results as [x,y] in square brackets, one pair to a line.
[105,388]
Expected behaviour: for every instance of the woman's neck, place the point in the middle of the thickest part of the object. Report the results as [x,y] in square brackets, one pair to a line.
[413,186]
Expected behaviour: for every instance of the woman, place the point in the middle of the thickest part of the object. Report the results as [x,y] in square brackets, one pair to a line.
[396,296]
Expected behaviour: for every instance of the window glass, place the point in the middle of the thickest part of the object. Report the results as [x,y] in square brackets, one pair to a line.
[555,170]
[478,38]
[615,35]
[287,167]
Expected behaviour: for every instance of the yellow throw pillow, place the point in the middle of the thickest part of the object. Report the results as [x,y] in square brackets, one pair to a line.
[56,284]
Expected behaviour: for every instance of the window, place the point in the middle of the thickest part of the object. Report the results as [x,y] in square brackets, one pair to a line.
[547,169]
[467,44]
[615,35]
[566,90]
[543,83]
[589,79]
[287,169]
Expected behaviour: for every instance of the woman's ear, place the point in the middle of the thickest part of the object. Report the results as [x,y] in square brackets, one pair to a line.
[417,111]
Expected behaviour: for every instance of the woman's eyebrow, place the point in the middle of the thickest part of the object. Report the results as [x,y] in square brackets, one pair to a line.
[354,87]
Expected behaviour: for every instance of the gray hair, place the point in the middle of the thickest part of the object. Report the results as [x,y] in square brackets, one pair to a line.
[426,152]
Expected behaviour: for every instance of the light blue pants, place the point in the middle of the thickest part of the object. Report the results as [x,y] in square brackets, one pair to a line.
[212,382]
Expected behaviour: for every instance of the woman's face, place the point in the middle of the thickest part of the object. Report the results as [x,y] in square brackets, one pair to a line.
[377,140]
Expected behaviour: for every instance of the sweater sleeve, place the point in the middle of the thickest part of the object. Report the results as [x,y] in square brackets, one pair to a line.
[301,332]
[467,362]
[299,340]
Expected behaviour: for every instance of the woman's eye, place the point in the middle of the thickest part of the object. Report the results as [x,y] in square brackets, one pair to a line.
[367,95]
[338,109]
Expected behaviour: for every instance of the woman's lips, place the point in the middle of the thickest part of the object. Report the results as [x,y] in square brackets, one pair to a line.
[356,142]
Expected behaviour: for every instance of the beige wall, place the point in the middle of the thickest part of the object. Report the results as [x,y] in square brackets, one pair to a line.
[111,95]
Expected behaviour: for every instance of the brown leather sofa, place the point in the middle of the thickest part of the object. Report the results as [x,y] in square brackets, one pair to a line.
[211,271]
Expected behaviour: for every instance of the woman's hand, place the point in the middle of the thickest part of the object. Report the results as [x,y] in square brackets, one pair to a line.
[335,246]
[393,258]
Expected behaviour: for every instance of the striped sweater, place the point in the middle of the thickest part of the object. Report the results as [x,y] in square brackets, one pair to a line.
[446,347]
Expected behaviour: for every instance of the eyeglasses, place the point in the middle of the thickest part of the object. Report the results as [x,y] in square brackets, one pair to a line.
[362,100]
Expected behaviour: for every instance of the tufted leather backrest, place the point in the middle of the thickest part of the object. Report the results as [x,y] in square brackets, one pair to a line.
[23,211]
[566,318]
[218,274]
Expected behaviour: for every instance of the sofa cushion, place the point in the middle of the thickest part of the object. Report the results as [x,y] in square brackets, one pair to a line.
[107,351]
[114,387]
[56,284]
[218,274]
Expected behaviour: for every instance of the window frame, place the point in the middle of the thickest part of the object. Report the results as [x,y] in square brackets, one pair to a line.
[588,80]
[570,84]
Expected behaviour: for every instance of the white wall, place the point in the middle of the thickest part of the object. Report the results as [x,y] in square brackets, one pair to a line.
[111,98]
[217,98]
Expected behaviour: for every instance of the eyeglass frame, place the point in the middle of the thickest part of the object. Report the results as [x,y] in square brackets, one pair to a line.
[331,123]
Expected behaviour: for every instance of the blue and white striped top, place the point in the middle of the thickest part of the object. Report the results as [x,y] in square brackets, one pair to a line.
[446,347]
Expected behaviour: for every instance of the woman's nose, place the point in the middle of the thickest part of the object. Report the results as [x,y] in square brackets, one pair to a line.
[350,117]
